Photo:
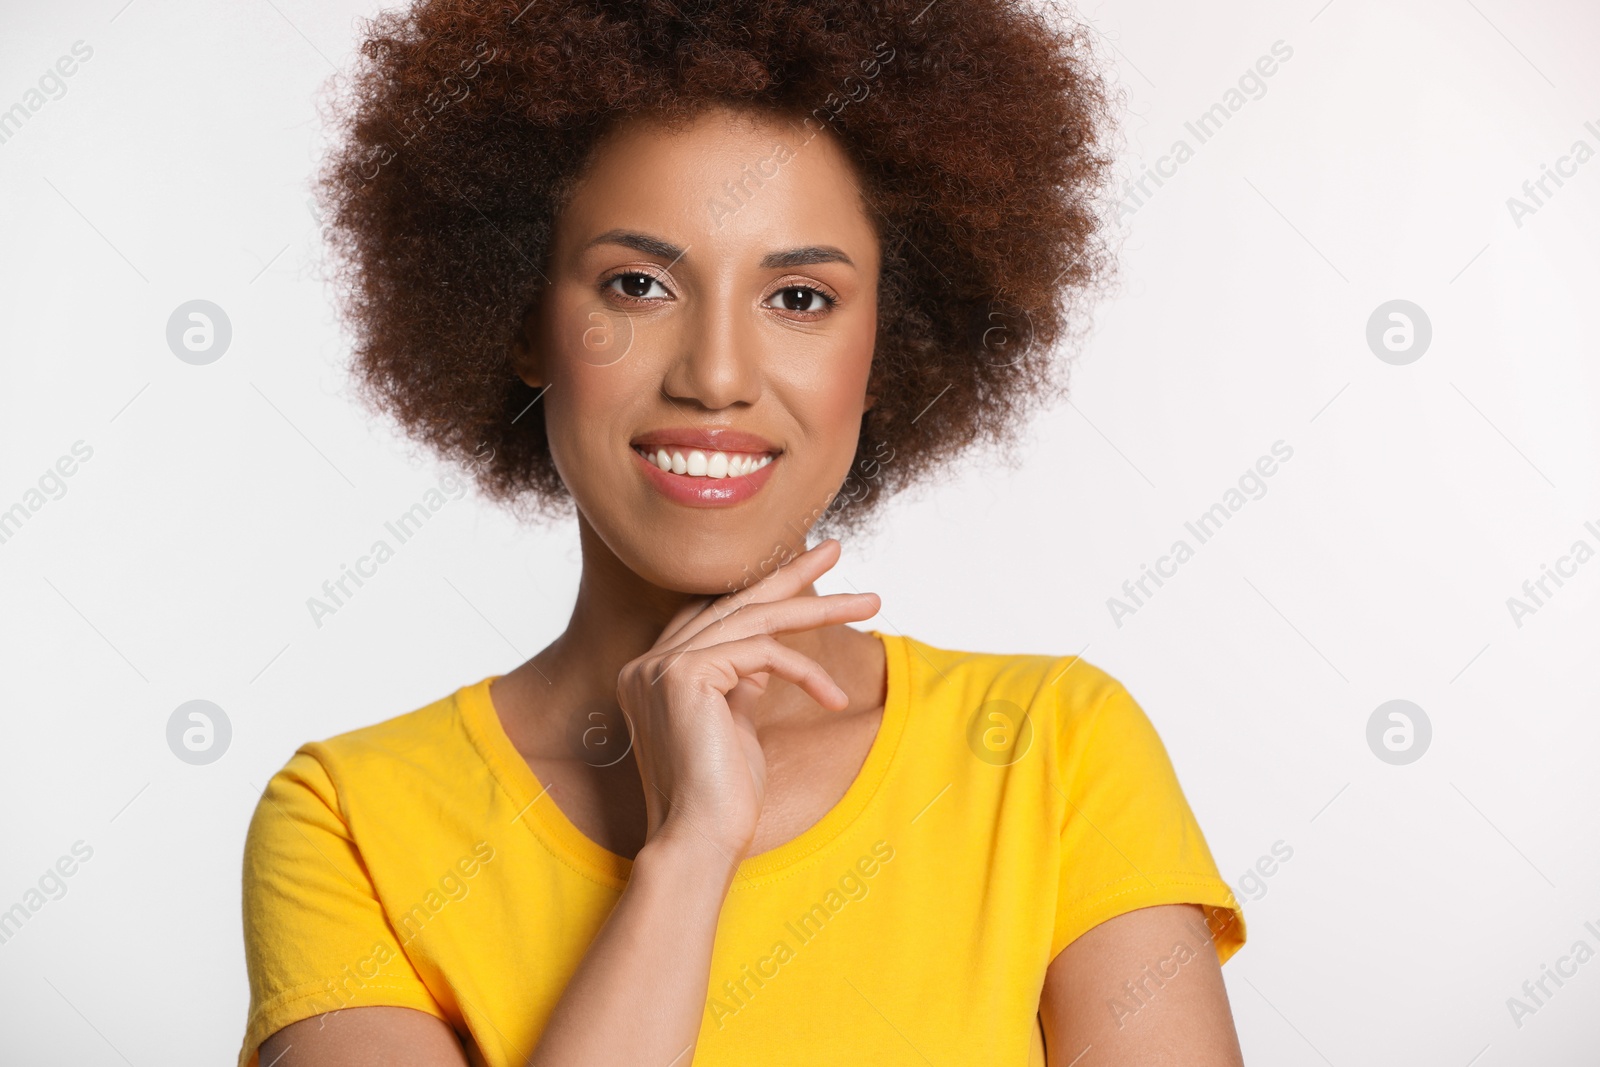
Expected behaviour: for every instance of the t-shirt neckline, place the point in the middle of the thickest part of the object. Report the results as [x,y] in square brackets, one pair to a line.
[545,817]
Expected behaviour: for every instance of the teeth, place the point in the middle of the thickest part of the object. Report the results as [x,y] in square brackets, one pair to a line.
[698,464]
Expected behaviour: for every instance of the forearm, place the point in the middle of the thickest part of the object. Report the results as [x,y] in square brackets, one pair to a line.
[640,992]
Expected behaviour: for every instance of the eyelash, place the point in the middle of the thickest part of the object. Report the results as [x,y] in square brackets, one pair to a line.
[829,301]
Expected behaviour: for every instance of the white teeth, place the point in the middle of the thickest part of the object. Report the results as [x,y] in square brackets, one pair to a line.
[698,464]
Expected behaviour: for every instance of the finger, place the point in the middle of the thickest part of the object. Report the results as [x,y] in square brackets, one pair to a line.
[786,581]
[683,615]
[793,574]
[786,616]
[783,616]
[723,666]
[743,697]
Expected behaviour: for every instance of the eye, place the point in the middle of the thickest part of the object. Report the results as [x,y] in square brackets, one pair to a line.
[635,285]
[803,299]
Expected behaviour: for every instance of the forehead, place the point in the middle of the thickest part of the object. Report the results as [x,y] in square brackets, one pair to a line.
[723,177]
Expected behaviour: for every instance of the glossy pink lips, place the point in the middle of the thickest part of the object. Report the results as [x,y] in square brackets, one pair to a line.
[705,492]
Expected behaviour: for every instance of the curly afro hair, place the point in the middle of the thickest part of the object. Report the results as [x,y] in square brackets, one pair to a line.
[980,127]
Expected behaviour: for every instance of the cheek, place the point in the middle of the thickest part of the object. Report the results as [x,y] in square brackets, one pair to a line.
[825,394]
[843,391]
[589,375]
[838,399]
[582,331]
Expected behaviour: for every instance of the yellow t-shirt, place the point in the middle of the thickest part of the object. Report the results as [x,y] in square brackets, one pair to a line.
[1008,804]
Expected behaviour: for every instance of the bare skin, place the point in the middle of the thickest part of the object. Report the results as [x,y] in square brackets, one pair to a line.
[752,710]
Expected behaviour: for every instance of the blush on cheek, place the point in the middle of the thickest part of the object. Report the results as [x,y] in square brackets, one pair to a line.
[841,394]
[594,375]
[829,407]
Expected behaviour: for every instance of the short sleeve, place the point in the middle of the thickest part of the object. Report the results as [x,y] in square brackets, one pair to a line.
[1128,837]
[315,935]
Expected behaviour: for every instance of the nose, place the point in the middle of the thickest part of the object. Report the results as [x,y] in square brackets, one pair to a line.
[718,362]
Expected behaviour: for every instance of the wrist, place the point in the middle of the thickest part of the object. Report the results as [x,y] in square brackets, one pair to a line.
[680,856]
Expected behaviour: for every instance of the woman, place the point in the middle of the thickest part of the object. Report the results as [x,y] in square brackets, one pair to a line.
[720,275]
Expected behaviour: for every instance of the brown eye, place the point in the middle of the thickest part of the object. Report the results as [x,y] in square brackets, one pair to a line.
[635,284]
[802,298]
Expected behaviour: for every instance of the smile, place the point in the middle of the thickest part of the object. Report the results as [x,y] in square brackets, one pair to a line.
[696,463]
[707,476]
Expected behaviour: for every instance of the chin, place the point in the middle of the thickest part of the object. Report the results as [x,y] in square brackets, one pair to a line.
[712,560]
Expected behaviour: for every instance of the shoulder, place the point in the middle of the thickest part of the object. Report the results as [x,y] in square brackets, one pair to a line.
[1009,704]
[346,824]
[1058,689]
[403,736]
[380,763]
[1068,760]
[414,741]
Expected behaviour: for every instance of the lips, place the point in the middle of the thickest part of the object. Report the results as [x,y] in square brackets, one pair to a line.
[707,467]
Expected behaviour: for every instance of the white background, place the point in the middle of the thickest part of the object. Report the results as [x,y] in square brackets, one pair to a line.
[1377,165]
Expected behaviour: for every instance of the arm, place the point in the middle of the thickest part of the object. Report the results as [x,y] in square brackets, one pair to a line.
[1143,989]
[378,1036]
[640,992]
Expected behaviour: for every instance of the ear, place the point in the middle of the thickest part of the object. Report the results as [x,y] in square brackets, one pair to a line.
[525,354]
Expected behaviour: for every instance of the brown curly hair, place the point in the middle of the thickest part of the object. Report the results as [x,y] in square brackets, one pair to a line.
[980,128]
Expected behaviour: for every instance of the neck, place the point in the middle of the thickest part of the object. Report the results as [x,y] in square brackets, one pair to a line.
[617,617]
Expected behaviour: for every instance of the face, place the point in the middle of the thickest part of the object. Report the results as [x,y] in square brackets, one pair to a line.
[712,309]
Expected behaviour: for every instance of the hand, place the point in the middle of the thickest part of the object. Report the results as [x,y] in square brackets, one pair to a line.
[689,697]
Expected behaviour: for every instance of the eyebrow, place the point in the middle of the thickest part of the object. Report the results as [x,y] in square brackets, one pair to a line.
[655,246]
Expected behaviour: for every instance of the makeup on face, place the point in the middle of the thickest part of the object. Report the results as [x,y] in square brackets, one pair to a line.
[707,370]
[706,466]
